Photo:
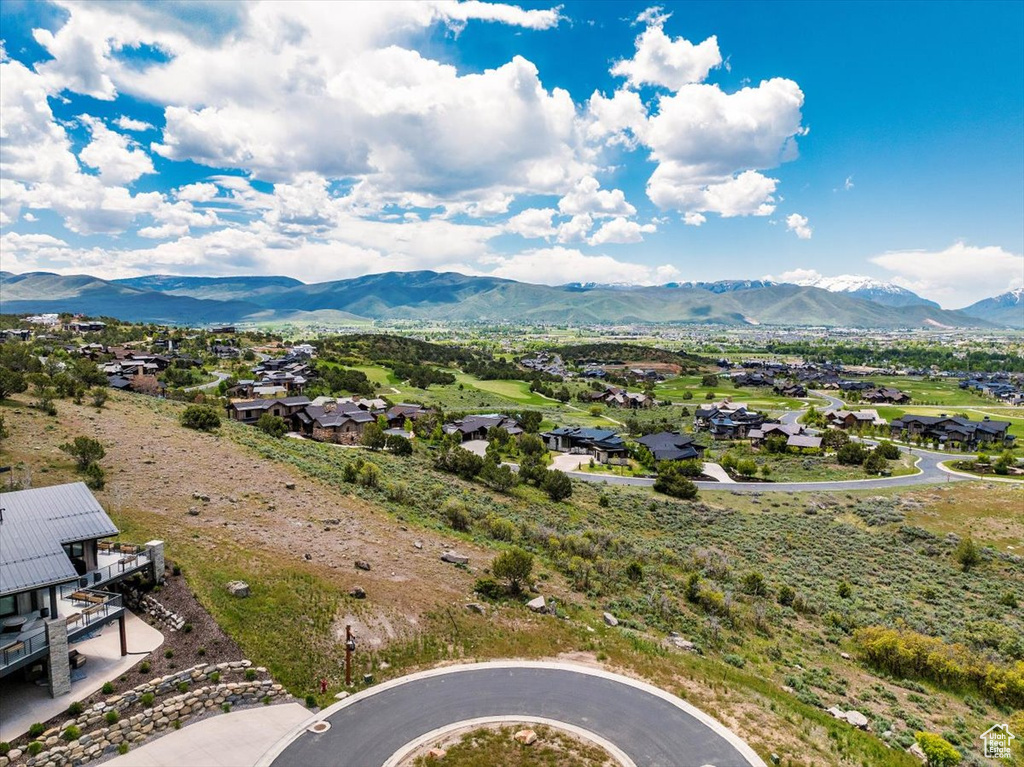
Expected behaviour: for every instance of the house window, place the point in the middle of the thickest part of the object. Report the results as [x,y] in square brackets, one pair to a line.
[75,550]
[8,606]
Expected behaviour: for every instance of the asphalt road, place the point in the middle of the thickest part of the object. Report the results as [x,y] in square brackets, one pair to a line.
[650,729]
[210,384]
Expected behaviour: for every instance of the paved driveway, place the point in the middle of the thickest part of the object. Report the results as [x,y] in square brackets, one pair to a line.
[650,726]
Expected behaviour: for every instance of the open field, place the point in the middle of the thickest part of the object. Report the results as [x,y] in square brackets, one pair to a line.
[936,391]
[256,529]
[758,398]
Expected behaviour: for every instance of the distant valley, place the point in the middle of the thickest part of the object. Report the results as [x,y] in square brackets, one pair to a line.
[450,296]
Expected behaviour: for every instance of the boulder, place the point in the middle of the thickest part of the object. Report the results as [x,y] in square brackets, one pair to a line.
[436,753]
[857,719]
[538,605]
[476,607]
[289,485]
[193,511]
[837,712]
[455,558]
[611,620]
[526,737]
[357,593]
[238,589]
[682,644]
[917,751]
[362,564]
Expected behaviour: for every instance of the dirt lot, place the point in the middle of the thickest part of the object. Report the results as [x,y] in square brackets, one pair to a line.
[203,491]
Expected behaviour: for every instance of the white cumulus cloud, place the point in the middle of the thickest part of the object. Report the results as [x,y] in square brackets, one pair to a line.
[671,63]
[588,197]
[957,276]
[533,222]
[799,225]
[558,266]
[621,231]
[118,159]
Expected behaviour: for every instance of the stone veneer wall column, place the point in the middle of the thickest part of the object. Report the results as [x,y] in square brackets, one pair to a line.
[156,556]
[60,668]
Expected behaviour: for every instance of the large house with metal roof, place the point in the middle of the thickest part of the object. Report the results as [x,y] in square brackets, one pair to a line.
[57,578]
[672,446]
[603,444]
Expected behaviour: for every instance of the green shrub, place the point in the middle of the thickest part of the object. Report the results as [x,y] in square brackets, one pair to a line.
[200,417]
[754,584]
[514,566]
[36,730]
[76,708]
[71,733]
[187,628]
[787,595]
[672,480]
[182,686]
[107,688]
[967,553]
[4,747]
[122,747]
[250,674]
[273,425]
[851,454]
[112,717]
[489,588]
[557,485]
[501,529]
[735,660]
[457,515]
[168,653]
[310,701]
[226,707]
[144,667]
[939,752]
[147,699]
[35,747]
[215,677]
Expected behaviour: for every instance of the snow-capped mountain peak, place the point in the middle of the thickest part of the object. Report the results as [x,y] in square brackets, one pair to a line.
[850,283]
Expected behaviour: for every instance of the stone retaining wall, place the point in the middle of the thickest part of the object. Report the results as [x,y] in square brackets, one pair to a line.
[99,738]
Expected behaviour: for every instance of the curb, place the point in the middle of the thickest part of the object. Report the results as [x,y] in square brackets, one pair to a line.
[706,719]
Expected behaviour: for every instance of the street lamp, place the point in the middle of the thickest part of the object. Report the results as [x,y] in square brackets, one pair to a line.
[350,647]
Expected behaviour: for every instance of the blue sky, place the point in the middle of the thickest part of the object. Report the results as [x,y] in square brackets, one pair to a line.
[607,142]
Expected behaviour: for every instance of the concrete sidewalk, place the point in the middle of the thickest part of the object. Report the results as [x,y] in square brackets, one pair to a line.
[237,739]
[25,703]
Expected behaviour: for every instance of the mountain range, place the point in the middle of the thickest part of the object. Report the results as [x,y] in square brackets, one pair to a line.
[450,296]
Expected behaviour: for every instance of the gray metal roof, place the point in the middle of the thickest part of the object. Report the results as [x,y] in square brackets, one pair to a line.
[35,524]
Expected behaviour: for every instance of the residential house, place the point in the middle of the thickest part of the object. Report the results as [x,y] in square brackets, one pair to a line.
[398,414]
[341,423]
[672,446]
[767,430]
[58,579]
[954,431]
[727,420]
[251,410]
[790,390]
[885,394]
[803,442]
[853,419]
[604,445]
[476,426]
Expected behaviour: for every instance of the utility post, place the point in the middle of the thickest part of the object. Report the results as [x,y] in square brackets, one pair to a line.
[350,646]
